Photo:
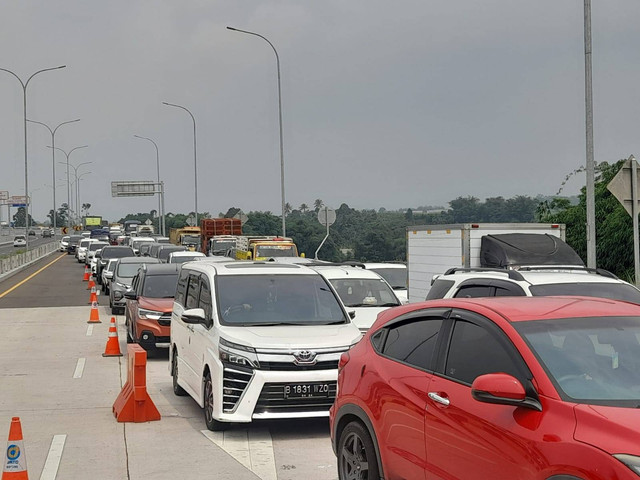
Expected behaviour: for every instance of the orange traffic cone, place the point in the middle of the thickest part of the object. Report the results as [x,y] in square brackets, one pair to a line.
[94,316]
[15,465]
[112,349]
[91,283]
[94,296]
[87,274]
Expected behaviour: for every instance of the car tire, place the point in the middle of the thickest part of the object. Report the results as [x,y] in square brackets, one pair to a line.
[211,423]
[177,389]
[356,453]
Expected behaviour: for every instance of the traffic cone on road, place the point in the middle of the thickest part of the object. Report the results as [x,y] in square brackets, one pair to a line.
[87,274]
[94,317]
[15,464]
[91,283]
[94,296]
[112,349]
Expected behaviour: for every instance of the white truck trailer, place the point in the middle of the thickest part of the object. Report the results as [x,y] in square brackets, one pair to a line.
[434,249]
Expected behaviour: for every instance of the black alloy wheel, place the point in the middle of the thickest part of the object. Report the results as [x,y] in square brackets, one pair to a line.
[212,424]
[177,389]
[356,454]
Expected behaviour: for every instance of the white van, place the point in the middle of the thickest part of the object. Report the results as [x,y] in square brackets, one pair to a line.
[255,340]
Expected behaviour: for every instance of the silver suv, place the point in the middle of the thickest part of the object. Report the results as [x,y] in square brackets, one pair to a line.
[530,282]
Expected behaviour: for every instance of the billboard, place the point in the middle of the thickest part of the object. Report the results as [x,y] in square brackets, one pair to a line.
[92,221]
[134,189]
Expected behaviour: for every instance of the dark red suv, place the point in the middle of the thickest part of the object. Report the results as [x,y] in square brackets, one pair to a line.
[511,388]
[149,304]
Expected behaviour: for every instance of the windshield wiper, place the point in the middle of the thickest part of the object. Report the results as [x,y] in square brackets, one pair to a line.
[389,304]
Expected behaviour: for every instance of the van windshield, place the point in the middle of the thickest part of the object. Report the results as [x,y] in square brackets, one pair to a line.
[255,300]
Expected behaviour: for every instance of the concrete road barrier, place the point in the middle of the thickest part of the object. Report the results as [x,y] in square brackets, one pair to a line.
[15,261]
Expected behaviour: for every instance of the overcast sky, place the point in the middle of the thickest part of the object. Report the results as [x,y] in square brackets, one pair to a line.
[385,103]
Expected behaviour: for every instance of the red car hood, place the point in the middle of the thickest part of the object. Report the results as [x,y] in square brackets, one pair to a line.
[612,429]
[157,304]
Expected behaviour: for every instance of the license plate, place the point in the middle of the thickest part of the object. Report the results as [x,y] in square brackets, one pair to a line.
[306,390]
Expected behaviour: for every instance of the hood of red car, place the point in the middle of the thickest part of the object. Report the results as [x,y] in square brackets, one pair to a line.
[157,304]
[612,429]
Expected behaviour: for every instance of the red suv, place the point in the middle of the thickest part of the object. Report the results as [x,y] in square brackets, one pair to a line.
[149,305]
[518,388]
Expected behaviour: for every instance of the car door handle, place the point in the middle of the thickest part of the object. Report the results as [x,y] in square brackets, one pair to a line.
[439,399]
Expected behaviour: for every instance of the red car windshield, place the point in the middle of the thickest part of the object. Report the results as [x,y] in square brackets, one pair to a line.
[591,360]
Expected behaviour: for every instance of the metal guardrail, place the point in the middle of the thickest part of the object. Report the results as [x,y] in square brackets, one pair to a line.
[19,259]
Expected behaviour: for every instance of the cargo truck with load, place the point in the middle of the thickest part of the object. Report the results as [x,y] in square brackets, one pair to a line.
[218,235]
[435,249]
[186,236]
[263,248]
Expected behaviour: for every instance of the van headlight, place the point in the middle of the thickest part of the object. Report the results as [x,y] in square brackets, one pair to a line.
[237,354]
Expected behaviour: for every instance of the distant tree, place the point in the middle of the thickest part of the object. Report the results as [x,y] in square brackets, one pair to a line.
[85,208]
[287,208]
[303,208]
[318,204]
[19,218]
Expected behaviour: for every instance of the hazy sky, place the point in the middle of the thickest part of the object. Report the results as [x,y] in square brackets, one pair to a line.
[385,103]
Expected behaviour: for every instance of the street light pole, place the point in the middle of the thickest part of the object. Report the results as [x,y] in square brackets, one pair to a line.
[588,92]
[53,155]
[195,158]
[24,117]
[160,208]
[284,226]
[68,182]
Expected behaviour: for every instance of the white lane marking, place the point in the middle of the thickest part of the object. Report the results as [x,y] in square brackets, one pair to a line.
[79,368]
[89,330]
[253,448]
[51,465]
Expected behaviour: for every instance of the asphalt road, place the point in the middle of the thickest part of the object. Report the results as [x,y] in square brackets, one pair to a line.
[57,285]
[33,242]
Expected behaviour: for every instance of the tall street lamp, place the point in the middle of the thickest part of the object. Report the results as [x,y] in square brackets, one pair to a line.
[75,175]
[24,117]
[53,155]
[68,182]
[160,211]
[195,158]
[284,226]
[588,94]
[78,178]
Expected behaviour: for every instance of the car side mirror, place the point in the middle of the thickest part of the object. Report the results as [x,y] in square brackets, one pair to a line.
[352,314]
[131,295]
[193,316]
[502,389]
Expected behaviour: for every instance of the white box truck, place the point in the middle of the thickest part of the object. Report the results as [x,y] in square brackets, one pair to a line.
[434,249]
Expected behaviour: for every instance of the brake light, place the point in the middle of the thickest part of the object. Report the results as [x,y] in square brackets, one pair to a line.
[344,359]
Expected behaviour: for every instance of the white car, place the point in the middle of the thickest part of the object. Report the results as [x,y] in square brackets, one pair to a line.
[107,274]
[255,340]
[531,281]
[395,274]
[183,257]
[64,241]
[81,251]
[362,291]
[137,241]
[91,251]
[19,241]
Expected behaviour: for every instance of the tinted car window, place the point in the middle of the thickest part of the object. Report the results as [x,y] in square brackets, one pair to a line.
[439,289]
[193,291]
[475,351]
[364,292]
[160,286]
[127,270]
[396,277]
[413,342]
[474,291]
[117,252]
[164,252]
[181,289]
[93,246]
[616,291]
[205,300]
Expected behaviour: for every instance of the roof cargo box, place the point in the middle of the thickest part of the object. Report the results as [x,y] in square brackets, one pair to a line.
[519,249]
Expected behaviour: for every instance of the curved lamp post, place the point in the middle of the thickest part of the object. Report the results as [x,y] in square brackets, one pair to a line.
[284,226]
[53,154]
[195,158]
[24,117]
[68,182]
[160,210]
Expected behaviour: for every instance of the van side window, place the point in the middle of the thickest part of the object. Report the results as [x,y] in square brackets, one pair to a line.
[192,291]
[181,289]
[205,301]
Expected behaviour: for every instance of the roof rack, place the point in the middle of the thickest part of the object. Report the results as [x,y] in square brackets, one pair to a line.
[513,274]
[598,271]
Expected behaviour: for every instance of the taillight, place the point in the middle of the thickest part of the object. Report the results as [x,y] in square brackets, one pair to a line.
[344,359]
